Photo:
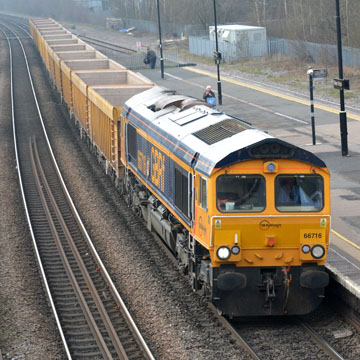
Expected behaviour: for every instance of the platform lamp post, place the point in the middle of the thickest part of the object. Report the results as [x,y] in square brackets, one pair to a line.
[160,42]
[343,121]
[217,57]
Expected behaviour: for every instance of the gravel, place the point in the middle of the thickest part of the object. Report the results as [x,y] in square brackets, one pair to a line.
[27,328]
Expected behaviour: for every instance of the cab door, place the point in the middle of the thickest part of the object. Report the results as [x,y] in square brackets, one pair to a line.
[201,216]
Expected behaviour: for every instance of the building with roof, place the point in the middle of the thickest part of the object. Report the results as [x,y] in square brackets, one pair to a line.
[93,5]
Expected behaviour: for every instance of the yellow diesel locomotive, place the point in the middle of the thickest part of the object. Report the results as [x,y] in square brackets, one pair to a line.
[247,214]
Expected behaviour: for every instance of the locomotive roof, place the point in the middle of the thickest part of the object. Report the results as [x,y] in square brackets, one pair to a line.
[199,135]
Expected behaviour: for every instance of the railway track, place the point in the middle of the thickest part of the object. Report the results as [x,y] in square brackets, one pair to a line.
[107,45]
[250,334]
[92,319]
[324,345]
[290,334]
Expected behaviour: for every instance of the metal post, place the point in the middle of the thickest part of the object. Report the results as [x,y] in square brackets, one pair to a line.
[160,42]
[312,111]
[343,121]
[217,60]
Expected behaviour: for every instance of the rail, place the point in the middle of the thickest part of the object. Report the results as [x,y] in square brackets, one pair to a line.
[107,45]
[324,345]
[47,199]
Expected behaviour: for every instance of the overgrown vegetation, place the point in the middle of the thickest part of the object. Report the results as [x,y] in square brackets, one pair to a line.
[306,20]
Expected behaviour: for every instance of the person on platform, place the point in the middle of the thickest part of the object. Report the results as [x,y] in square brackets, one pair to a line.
[151,55]
[208,93]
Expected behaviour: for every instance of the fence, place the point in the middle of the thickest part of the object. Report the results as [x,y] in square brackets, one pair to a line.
[230,52]
[311,52]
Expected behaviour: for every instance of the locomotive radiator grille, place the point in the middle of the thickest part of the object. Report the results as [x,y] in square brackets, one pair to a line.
[220,131]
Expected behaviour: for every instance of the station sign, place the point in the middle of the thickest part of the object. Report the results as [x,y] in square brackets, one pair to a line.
[341,84]
[319,73]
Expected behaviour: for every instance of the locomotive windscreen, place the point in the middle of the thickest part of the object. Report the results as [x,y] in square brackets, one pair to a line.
[299,193]
[244,193]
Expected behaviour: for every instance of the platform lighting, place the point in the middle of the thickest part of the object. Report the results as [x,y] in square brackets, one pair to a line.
[160,42]
[343,121]
[218,57]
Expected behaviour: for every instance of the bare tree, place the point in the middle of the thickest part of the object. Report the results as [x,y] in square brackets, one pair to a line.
[264,12]
[285,10]
[347,22]
[257,12]
[293,19]
[302,18]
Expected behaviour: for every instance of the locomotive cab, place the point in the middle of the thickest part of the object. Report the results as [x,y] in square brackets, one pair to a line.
[266,224]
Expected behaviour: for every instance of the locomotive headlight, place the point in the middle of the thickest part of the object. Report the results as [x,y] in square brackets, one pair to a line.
[270,167]
[223,253]
[235,250]
[318,251]
[305,249]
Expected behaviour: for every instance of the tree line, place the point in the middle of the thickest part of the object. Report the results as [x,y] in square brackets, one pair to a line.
[307,20]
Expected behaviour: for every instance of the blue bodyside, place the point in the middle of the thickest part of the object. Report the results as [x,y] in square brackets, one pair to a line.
[171,143]
[157,170]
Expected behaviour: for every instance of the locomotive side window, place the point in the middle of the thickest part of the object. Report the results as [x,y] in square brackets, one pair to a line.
[181,191]
[299,193]
[203,193]
[132,141]
[240,193]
